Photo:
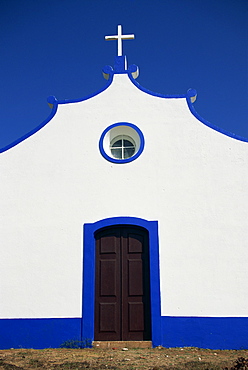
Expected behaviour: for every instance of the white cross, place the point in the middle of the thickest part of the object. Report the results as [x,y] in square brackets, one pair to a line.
[119,37]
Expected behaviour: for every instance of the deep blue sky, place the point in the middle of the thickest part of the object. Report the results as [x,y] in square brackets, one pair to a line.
[57,47]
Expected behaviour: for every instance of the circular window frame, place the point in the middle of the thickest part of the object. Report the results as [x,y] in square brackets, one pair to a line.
[117,129]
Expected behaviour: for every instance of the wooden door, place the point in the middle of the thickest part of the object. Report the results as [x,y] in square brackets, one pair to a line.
[122,284]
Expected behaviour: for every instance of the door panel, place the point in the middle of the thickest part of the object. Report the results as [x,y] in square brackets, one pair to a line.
[122,286]
[136,315]
[107,286]
[108,317]
[108,279]
[135,275]
[135,243]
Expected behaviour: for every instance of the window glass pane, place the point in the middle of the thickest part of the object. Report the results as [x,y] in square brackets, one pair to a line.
[128,152]
[117,143]
[116,153]
[127,143]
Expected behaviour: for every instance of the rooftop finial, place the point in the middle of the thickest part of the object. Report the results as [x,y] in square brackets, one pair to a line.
[119,37]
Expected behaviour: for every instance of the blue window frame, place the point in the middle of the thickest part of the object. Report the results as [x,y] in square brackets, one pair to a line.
[121,142]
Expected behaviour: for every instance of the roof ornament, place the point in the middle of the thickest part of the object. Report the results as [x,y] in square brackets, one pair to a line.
[119,37]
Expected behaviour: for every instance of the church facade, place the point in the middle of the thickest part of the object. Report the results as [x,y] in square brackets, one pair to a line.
[124,217]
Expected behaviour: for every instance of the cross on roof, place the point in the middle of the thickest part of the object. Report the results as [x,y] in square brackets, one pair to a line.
[119,37]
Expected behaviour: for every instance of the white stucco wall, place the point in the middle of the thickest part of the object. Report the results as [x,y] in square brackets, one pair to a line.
[191,178]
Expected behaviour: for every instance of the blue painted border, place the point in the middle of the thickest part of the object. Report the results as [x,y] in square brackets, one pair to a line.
[114,160]
[202,332]
[205,332]
[89,273]
[38,333]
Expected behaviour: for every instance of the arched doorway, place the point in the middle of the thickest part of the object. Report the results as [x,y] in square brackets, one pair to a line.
[89,267]
[122,284]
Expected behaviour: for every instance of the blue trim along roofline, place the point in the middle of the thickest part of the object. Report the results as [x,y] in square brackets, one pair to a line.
[53,104]
[207,123]
[33,131]
[132,72]
[89,273]
[127,160]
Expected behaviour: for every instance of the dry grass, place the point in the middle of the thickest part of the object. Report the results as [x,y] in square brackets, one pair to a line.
[152,359]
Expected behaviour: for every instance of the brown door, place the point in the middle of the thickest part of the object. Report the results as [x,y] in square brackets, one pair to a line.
[122,285]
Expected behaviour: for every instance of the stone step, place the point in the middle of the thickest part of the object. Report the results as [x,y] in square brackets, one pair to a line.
[122,344]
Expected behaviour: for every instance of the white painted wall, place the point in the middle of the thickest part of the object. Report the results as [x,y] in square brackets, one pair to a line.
[191,178]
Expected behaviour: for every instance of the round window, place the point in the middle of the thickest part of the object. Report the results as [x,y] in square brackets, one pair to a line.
[122,147]
[121,142]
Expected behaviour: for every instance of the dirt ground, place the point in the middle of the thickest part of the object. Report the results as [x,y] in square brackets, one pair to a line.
[147,359]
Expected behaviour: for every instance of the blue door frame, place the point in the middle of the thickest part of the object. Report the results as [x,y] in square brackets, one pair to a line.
[89,273]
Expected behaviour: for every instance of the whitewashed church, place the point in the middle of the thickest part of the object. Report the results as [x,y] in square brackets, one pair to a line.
[124,218]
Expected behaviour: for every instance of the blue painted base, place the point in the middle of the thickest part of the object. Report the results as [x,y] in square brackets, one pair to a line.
[202,332]
[205,332]
[38,333]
